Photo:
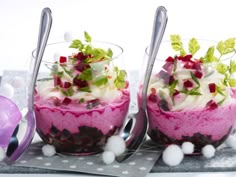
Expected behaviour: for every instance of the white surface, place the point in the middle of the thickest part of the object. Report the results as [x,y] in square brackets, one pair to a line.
[125,22]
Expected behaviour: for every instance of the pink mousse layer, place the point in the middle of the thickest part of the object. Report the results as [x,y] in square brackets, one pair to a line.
[103,117]
[216,122]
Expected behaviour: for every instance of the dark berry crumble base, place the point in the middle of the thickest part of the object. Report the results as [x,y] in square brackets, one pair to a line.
[88,141]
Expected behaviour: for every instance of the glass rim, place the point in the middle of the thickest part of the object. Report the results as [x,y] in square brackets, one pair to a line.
[121,51]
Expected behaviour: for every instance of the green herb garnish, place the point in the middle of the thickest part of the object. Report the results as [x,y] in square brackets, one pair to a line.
[120,81]
[193,46]
[86,75]
[101,80]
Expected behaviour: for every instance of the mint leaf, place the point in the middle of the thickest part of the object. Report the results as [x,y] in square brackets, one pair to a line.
[193,91]
[87,37]
[86,75]
[77,44]
[109,53]
[232,67]
[177,44]
[209,56]
[220,91]
[84,89]
[172,87]
[120,81]
[194,78]
[226,47]
[232,82]
[222,68]
[101,80]
[81,100]
[193,46]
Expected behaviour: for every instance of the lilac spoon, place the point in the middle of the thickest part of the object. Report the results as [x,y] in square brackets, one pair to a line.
[28,123]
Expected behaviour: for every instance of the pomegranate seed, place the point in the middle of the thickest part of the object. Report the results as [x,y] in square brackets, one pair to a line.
[197,66]
[170,59]
[198,74]
[188,57]
[81,66]
[188,84]
[67,85]
[188,65]
[62,59]
[57,81]
[152,98]
[171,80]
[79,83]
[66,101]
[176,92]
[185,58]
[81,56]
[90,56]
[211,105]
[212,87]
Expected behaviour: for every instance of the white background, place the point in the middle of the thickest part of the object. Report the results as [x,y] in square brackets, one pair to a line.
[125,22]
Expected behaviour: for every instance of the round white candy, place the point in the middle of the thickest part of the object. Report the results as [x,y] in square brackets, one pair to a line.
[231,141]
[68,37]
[115,144]
[172,155]
[7,90]
[187,147]
[208,151]
[108,157]
[48,150]
[2,154]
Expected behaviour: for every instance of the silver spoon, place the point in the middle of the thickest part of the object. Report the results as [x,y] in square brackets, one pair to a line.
[25,130]
[135,128]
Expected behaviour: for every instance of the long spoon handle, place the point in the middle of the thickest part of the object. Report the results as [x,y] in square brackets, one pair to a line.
[44,30]
[159,26]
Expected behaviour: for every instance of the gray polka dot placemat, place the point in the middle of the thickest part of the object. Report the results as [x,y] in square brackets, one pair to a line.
[139,165]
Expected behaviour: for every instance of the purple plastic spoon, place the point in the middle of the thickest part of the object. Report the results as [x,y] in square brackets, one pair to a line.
[25,130]
[10,116]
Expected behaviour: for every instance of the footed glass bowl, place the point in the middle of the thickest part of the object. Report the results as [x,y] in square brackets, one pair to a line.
[191,95]
[81,96]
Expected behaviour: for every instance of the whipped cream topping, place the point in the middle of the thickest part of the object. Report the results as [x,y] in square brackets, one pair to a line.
[105,93]
[183,101]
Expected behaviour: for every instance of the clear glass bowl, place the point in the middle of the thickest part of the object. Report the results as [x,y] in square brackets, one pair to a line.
[186,99]
[79,104]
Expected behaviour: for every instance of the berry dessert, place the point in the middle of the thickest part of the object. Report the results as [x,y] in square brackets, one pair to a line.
[84,100]
[193,98]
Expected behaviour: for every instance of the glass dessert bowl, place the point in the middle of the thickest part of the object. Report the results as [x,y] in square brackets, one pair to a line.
[82,97]
[191,95]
